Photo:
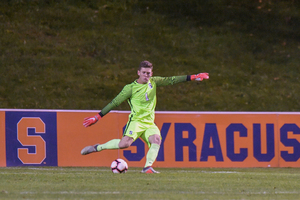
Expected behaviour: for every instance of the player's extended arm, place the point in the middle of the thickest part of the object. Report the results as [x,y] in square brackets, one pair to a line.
[163,81]
[122,96]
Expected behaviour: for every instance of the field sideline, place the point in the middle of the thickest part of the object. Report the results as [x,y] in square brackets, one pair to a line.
[171,183]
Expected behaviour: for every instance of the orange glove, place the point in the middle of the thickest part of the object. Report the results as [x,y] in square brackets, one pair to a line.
[89,121]
[200,77]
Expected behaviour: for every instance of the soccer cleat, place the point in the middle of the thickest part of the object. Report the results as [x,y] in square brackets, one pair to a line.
[149,170]
[89,149]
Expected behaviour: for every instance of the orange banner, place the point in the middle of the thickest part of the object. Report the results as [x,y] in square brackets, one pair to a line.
[72,136]
[189,139]
[289,140]
[219,140]
[2,140]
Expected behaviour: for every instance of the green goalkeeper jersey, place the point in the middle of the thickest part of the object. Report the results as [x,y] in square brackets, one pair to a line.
[142,97]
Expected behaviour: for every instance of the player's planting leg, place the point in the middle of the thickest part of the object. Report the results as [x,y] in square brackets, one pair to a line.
[112,144]
[149,170]
[152,154]
[150,158]
[154,140]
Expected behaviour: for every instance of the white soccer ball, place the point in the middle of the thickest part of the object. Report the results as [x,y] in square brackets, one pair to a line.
[119,166]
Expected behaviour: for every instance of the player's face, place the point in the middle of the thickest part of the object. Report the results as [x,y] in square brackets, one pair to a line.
[144,75]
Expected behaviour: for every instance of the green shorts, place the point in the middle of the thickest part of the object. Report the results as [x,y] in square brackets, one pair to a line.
[136,129]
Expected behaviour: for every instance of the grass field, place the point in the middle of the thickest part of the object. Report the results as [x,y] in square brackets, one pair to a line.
[191,183]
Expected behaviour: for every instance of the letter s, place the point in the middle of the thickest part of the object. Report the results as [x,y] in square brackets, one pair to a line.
[25,139]
[289,142]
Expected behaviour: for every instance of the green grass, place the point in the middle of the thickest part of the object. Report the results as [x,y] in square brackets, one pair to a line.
[77,54]
[101,183]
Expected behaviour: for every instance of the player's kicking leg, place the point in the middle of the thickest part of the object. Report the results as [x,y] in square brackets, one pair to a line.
[112,144]
[89,149]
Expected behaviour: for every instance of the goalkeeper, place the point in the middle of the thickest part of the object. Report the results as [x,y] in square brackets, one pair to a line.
[141,96]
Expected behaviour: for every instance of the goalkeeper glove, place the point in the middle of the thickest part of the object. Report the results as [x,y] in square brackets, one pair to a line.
[91,120]
[200,77]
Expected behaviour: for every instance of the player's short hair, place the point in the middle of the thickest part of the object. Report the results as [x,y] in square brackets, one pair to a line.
[145,64]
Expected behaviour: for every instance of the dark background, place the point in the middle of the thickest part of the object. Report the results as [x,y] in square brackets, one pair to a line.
[79,54]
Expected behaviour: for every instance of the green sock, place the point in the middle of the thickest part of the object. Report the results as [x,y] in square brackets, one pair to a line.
[152,154]
[112,144]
